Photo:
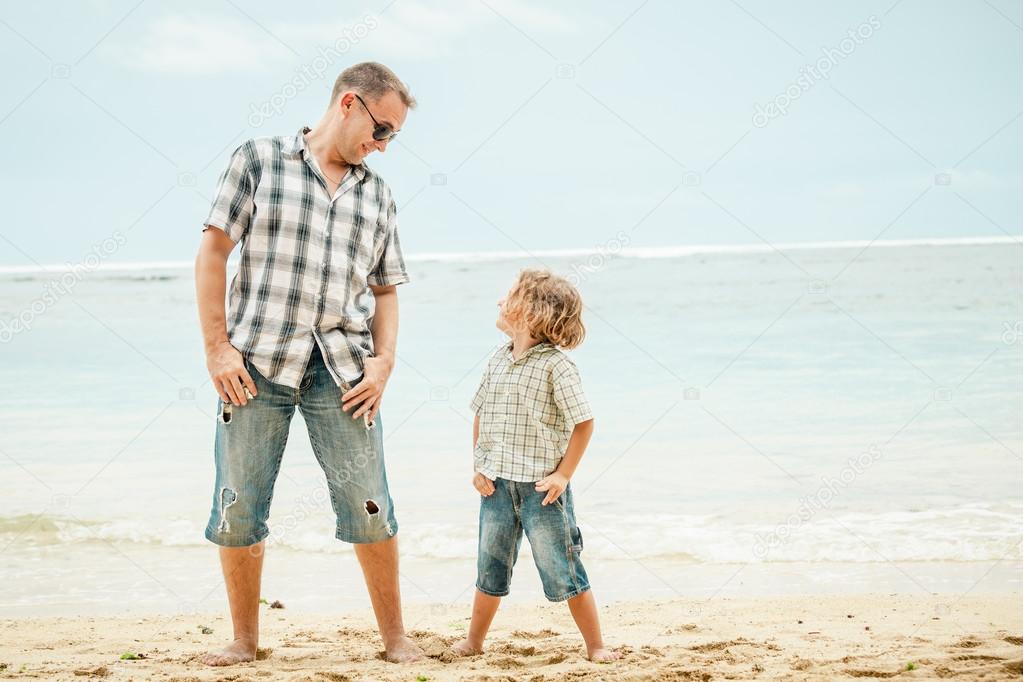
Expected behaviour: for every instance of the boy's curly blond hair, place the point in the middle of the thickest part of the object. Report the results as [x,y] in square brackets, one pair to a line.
[549,306]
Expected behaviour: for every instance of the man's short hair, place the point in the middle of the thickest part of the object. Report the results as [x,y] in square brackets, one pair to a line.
[372,80]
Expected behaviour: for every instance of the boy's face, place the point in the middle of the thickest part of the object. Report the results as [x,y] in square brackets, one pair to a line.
[502,322]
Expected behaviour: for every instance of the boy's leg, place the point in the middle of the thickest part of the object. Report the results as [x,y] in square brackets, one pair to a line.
[250,442]
[500,537]
[556,543]
[484,608]
[584,612]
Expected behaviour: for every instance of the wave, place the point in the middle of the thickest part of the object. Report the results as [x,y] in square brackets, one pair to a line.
[956,534]
[30,272]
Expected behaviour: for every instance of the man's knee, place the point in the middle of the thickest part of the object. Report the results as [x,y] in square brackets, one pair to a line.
[234,521]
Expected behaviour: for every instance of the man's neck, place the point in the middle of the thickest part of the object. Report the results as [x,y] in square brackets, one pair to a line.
[320,141]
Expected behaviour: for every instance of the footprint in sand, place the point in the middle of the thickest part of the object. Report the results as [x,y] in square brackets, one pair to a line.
[546,633]
[866,672]
[741,641]
[514,650]
[978,657]
[967,643]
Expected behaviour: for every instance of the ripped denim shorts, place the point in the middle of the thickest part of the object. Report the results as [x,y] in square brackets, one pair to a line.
[250,442]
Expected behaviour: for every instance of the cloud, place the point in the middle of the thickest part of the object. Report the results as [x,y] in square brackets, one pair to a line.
[215,44]
[195,44]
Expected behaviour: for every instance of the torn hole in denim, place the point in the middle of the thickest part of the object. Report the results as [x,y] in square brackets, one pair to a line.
[226,413]
[227,497]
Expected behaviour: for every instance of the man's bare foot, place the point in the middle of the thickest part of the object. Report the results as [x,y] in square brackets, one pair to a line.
[603,655]
[238,651]
[465,648]
[403,650]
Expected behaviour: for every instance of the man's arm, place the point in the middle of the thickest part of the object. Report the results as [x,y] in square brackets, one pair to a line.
[223,361]
[378,368]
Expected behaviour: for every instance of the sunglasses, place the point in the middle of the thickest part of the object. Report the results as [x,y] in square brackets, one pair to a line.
[381,131]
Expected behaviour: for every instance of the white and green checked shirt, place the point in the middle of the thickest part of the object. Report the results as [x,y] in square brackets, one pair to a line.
[527,409]
[307,258]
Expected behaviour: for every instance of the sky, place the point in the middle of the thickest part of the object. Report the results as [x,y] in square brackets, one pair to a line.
[540,126]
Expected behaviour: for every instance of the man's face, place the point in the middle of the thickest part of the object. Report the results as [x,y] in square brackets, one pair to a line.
[356,142]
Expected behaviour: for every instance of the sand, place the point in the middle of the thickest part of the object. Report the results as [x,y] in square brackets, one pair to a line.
[795,638]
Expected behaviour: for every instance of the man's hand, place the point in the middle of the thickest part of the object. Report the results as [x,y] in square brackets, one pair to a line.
[370,390]
[554,484]
[483,484]
[227,371]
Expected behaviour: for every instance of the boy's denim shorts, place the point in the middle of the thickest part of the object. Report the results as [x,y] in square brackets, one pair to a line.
[554,538]
[250,442]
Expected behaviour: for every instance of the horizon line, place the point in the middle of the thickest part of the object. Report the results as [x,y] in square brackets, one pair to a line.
[621,252]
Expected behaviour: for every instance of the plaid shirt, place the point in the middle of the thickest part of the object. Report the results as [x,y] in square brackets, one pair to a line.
[528,409]
[307,258]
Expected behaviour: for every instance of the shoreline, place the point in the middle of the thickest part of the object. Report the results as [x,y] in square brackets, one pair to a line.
[869,636]
[653,252]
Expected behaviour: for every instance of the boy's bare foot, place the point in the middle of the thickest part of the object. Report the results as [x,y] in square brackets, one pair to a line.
[465,648]
[403,650]
[603,655]
[238,651]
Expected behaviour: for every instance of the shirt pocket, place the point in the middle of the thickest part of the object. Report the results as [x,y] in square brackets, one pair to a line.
[353,246]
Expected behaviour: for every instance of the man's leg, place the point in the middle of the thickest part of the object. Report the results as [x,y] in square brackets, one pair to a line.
[352,458]
[243,570]
[250,442]
[379,561]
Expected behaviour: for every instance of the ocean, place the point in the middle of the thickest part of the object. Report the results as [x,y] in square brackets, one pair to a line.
[806,419]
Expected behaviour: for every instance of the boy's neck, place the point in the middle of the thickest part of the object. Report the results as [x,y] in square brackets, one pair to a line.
[521,342]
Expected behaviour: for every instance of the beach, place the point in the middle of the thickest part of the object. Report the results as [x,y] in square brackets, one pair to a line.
[793,638]
[830,435]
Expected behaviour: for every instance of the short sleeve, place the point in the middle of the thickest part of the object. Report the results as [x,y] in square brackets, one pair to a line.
[389,268]
[232,203]
[481,391]
[568,393]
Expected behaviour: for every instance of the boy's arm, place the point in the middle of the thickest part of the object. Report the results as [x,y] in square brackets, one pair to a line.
[482,484]
[556,482]
[576,447]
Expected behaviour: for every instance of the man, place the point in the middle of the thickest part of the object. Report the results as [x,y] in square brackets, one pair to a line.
[312,323]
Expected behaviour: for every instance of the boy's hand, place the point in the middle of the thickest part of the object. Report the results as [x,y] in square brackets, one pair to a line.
[483,484]
[554,484]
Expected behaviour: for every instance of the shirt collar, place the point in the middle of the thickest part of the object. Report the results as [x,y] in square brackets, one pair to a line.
[543,345]
[297,146]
